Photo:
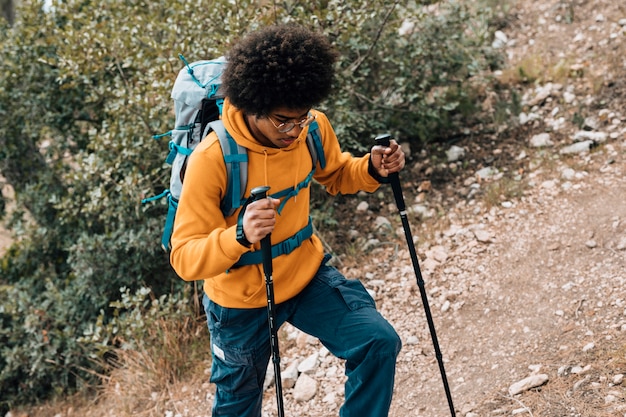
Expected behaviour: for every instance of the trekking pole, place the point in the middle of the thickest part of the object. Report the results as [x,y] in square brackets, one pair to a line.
[266,253]
[383,140]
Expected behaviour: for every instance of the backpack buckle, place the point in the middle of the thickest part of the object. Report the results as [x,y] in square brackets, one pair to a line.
[289,245]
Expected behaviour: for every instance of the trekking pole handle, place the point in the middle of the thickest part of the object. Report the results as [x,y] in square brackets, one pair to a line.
[394,179]
[383,140]
[260,192]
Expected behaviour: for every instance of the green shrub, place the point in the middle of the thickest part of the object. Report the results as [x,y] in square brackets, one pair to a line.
[420,85]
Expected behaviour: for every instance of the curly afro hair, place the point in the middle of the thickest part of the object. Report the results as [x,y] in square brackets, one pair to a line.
[279,66]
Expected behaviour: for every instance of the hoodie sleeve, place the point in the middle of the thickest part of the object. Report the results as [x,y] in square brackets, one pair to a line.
[203,244]
[343,173]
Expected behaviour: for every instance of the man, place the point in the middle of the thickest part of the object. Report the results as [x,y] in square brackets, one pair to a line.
[273,79]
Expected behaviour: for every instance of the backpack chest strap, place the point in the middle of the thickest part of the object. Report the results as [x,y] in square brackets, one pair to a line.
[292,191]
[281,248]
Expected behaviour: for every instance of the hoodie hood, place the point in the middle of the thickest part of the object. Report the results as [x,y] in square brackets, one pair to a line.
[234,122]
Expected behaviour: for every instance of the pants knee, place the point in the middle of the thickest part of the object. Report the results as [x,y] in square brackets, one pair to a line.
[388,342]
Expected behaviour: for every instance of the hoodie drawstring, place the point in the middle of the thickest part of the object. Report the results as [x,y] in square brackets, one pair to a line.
[297,170]
[265,166]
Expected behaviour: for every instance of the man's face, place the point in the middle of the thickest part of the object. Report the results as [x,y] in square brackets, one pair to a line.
[280,128]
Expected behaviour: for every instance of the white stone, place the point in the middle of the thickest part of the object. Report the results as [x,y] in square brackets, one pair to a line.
[579,147]
[411,340]
[486,172]
[528,383]
[588,347]
[568,174]
[362,206]
[290,375]
[305,389]
[569,97]
[500,39]
[309,365]
[382,222]
[541,140]
[429,265]
[582,135]
[407,27]
[437,253]
[421,211]
[482,236]
[455,153]
[331,397]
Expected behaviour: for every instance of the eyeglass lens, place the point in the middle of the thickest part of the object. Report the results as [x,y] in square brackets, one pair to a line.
[287,126]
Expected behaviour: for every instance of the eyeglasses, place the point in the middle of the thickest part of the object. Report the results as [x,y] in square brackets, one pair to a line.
[285,127]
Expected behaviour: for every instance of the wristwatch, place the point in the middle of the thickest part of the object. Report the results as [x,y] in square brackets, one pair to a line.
[243,241]
[241,236]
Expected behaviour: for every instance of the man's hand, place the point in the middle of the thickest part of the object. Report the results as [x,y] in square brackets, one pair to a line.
[387,160]
[259,219]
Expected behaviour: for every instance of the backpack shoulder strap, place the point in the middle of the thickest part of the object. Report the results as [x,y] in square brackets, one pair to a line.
[314,143]
[236,161]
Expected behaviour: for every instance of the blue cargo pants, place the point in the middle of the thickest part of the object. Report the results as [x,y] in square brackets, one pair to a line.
[339,312]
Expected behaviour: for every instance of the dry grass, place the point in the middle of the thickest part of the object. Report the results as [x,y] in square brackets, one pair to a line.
[144,380]
[502,190]
[536,68]
[140,379]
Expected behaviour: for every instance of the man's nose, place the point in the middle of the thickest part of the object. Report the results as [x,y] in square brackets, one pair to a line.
[295,132]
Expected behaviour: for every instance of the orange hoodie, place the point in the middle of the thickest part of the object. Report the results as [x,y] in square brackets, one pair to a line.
[204,245]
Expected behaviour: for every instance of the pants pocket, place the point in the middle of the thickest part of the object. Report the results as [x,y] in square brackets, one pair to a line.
[233,370]
[216,315]
[237,365]
[352,291]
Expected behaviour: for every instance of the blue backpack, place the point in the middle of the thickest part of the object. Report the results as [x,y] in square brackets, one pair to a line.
[198,106]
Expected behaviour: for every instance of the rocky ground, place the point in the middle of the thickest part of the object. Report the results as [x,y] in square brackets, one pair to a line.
[521,238]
